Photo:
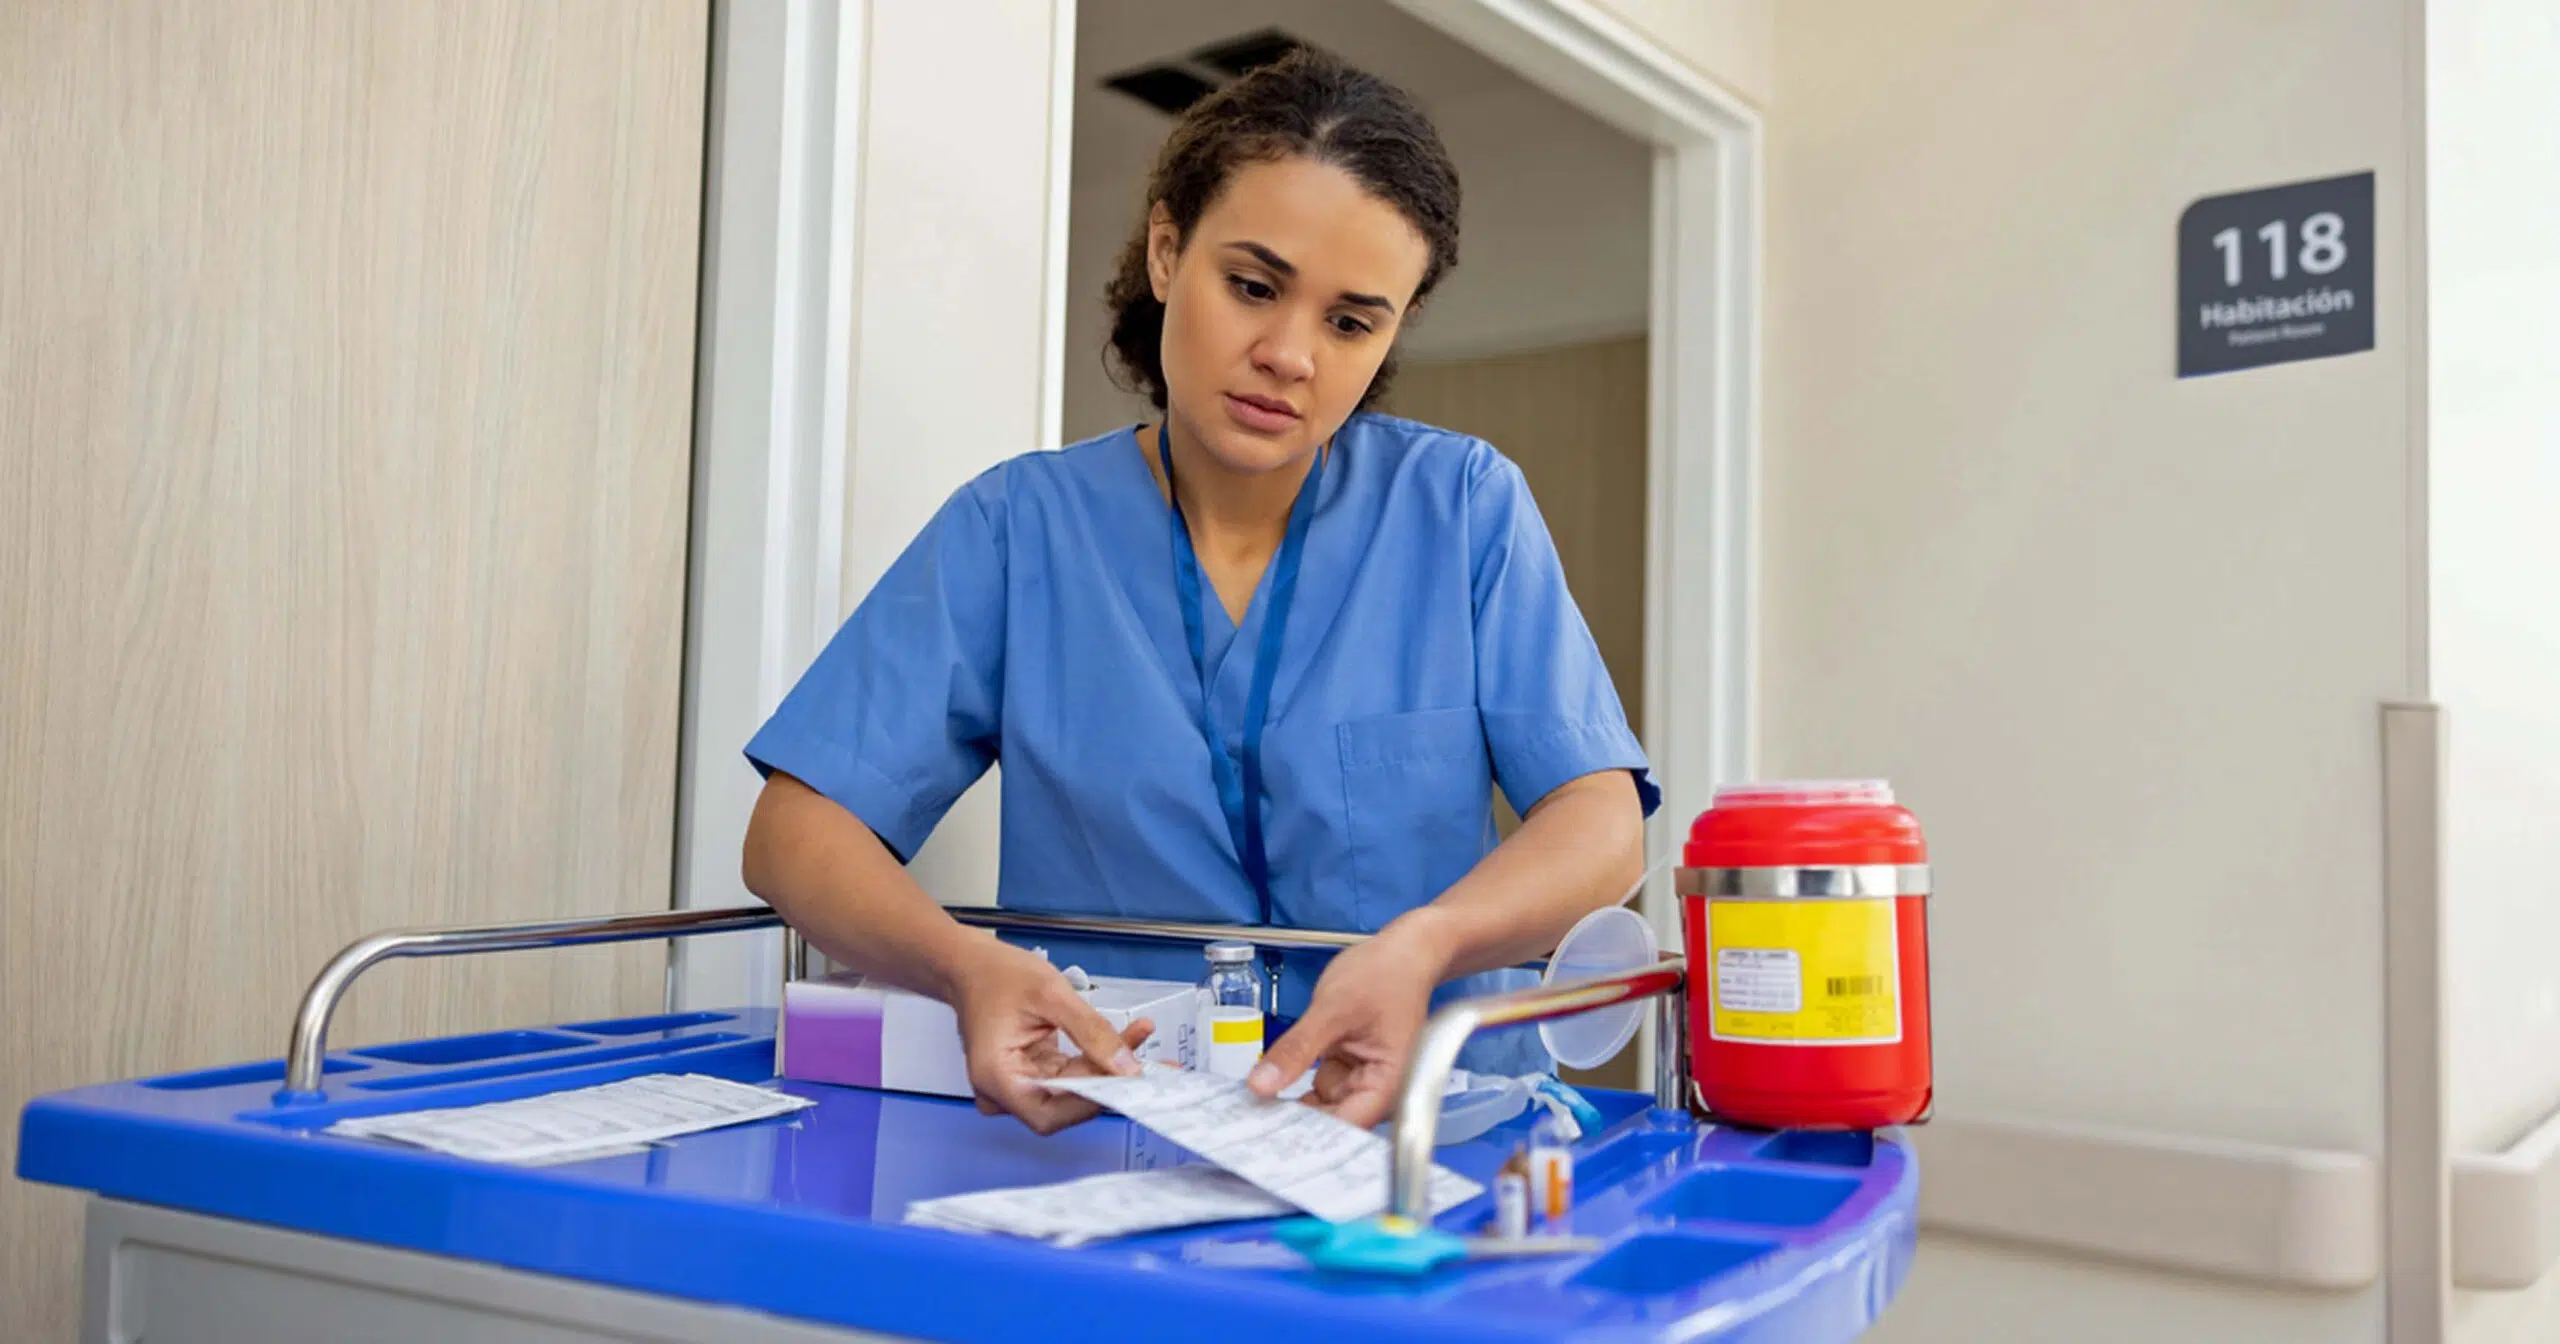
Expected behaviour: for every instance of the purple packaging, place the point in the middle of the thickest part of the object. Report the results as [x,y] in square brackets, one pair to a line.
[841,1029]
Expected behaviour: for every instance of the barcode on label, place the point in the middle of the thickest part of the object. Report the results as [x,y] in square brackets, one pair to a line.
[1853,986]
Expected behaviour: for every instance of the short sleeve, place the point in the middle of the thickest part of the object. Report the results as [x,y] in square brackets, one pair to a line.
[1551,714]
[901,712]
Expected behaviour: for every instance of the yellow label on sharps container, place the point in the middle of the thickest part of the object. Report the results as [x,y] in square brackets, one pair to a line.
[1805,972]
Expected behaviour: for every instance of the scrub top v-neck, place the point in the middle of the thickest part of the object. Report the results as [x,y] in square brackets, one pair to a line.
[1431,653]
[1240,781]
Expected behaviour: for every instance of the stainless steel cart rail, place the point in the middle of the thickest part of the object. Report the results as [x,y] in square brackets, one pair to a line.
[1417,1118]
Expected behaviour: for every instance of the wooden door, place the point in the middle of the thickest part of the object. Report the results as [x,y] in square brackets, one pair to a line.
[346,355]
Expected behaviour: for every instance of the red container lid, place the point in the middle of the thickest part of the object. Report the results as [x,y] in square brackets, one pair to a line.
[1788,824]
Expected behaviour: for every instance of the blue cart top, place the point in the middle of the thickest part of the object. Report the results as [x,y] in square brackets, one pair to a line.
[1709,1233]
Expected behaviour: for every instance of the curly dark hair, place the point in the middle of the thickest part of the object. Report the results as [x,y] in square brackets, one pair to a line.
[1305,105]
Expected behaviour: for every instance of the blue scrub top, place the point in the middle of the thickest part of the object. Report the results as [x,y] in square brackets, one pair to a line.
[1431,652]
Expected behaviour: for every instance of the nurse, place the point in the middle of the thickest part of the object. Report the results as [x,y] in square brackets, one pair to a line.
[1261,659]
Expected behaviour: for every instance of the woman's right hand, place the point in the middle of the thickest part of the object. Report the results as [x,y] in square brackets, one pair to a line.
[1012,1004]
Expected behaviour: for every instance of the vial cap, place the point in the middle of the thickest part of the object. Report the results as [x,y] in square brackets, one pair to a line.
[1229,953]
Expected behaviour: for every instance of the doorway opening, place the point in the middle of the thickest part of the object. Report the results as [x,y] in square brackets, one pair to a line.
[1540,342]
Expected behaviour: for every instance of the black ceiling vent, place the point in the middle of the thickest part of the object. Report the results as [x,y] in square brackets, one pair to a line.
[1172,86]
[1167,89]
[1243,55]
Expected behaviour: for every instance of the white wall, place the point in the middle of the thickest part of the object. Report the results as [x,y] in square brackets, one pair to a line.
[2120,639]
[1730,41]
[2493,420]
[2493,219]
[2531,1316]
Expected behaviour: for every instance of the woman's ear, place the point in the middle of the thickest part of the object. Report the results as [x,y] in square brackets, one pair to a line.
[1164,247]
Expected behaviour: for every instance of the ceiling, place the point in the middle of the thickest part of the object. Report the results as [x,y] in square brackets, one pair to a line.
[1116,136]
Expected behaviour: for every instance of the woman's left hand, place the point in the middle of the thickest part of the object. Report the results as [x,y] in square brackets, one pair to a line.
[1360,1024]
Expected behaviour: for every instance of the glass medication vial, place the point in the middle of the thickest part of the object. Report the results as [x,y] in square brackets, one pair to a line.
[1550,1167]
[1511,1198]
[1231,1010]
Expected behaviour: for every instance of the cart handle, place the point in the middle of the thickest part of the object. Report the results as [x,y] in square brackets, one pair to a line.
[1435,1052]
[320,1001]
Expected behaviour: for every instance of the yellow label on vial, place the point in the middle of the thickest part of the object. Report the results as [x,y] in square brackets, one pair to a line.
[1805,972]
[1235,1039]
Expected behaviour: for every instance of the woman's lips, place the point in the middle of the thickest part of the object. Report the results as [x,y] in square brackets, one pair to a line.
[1260,415]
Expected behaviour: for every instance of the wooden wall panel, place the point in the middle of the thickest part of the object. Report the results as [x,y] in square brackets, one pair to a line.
[346,355]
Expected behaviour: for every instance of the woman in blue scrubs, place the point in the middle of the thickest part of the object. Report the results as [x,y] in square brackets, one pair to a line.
[1261,660]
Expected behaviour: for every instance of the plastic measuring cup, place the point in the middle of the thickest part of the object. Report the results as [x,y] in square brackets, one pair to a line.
[1612,938]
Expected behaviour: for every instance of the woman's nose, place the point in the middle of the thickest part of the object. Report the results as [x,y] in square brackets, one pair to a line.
[1284,354]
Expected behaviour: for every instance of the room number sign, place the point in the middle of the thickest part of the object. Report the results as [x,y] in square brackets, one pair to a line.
[2275,275]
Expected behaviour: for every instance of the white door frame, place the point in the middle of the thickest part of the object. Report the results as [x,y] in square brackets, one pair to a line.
[770,447]
[775,331]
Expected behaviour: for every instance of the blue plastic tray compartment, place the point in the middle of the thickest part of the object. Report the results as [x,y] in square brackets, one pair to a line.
[744,1058]
[1657,1263]
[1748,1195]
[548,1062]
[471,1049]
[230,1075]
[637,1026]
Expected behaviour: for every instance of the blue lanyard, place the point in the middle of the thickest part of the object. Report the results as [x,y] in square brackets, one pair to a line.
[1257,704]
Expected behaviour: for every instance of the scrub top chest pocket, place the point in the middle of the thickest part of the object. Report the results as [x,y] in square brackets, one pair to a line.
[1417,790]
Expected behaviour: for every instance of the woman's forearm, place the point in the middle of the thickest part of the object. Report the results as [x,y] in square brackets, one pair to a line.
[833,881]
[1579,849]
[830,878]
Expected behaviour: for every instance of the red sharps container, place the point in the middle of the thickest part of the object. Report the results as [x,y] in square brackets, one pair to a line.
[1806,918]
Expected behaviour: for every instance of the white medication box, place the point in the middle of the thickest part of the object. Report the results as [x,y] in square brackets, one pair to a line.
[840,1029]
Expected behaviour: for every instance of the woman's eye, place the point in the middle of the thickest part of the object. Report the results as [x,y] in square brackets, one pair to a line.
[1251,288]
[1350,326]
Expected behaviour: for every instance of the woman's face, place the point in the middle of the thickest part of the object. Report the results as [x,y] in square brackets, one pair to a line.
[1280,308]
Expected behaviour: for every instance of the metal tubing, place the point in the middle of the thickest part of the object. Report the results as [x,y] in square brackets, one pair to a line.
[1671,1029]
[1160,930]
[1671,1050]
[320,1002]
[309,1043]
[1435,1052]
